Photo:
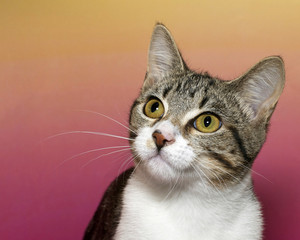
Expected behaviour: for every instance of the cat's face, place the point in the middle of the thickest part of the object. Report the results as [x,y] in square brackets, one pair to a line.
[193,126]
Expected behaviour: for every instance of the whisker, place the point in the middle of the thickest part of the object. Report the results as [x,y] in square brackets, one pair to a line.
[213,184]
[106,154]
[212,172]
[194,167]
[173,187]
[130,160]
[223,170]
[250,169]
[89,151]
[120,158]
[125,163]
[256,173]
[87,132]
[110,118]
[136,166]
[203,163]
[237,178]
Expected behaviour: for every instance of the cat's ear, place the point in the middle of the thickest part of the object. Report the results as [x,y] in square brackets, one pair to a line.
[261,87]
[163,56]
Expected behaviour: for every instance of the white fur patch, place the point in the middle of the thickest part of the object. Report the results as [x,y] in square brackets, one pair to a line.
[166,163]
[188,214]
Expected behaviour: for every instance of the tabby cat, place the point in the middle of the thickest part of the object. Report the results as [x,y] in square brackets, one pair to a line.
[194,138]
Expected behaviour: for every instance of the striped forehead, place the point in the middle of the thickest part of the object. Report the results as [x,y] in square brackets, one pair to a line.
[189,115]
[184,86]
[187,86]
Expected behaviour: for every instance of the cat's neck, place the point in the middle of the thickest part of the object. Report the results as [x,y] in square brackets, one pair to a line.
[191,189]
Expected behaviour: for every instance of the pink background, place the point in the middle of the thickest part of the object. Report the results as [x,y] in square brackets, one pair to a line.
[59,57]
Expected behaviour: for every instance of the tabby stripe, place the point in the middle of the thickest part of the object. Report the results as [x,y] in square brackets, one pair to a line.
[166,91]
[135,103]
[192,93]
[240,142]
[203,102]
[178,87]
[186,85]
[132,135]
[222,159]
[211,82]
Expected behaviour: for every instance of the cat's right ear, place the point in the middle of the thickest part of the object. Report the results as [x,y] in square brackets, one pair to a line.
[163,57]
[261,87]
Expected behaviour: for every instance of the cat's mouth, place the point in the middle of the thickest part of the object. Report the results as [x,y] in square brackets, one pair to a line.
[158,159]
[166,160]
[161,157]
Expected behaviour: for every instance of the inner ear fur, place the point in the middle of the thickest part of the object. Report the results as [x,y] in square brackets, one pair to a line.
[261,87]
[164,57]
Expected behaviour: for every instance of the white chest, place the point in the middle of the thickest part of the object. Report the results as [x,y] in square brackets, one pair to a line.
[184,217]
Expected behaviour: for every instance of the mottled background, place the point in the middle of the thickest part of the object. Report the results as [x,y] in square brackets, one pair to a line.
[58,58]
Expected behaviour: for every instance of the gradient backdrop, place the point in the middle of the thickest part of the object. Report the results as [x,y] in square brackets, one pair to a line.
[58,58]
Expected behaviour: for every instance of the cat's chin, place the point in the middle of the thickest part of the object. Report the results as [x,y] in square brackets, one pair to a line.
[161,161]
[160,168]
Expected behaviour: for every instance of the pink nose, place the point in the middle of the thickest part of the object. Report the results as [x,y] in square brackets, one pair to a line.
[161,140]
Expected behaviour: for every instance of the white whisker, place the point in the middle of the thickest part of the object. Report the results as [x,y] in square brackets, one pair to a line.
[136,166]
[125,163]
[257,173]
[173,187]
[199,174]
[120,158]
[223,170]
[250,169]
[87,132]
[110,118]
[89,151]
[106,154]
[131,158]
[212,172]
[213,184]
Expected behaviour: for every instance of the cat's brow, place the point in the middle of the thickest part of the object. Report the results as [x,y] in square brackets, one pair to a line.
[189,115]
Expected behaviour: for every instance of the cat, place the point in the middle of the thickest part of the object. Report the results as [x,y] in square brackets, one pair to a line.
[194,139]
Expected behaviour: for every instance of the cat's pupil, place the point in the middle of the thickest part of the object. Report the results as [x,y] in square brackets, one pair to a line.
[154,107]
[207,121]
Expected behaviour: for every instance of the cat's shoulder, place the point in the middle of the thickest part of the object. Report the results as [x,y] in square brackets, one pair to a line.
[105,220]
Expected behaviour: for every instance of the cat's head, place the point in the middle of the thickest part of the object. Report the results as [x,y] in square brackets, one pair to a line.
[197,126]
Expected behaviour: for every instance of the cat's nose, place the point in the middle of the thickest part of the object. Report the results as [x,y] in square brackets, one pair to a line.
[161,139]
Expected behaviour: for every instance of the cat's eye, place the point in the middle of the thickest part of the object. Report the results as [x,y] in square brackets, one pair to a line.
[207,123]
[154,108]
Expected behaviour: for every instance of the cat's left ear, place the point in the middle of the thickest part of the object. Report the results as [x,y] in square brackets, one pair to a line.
[261,87]
[163,56]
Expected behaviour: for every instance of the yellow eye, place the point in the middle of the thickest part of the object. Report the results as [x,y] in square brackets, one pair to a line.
[207,123]
[154,108]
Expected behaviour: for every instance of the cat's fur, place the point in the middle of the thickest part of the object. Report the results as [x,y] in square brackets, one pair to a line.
[198,186]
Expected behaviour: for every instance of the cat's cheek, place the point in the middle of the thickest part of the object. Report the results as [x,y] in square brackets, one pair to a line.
[144,145]
[180,155]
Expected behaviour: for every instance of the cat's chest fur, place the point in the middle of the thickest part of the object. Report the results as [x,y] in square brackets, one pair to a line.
[147,214]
